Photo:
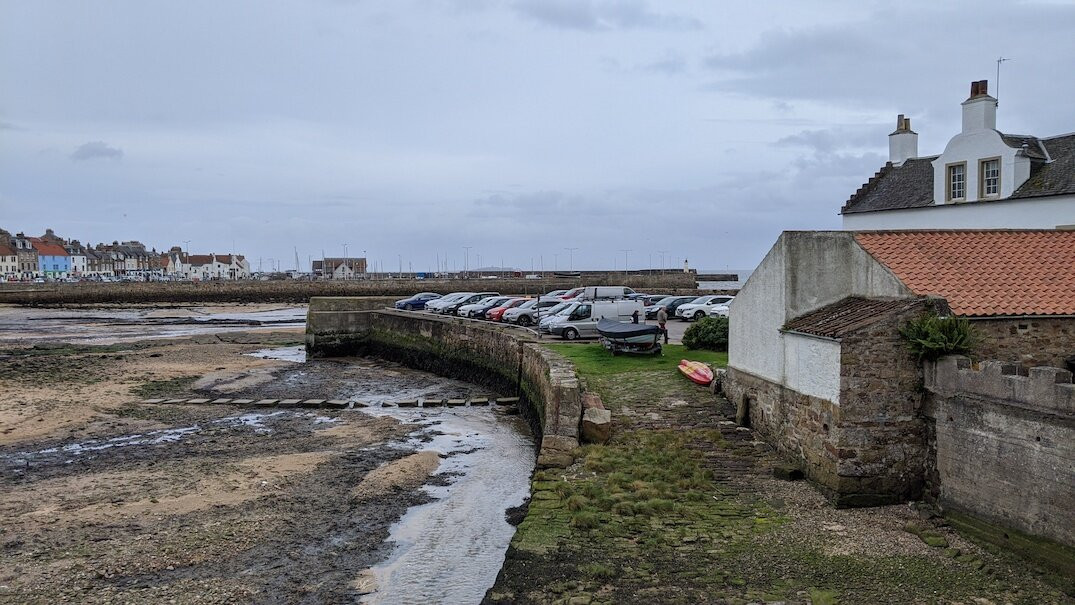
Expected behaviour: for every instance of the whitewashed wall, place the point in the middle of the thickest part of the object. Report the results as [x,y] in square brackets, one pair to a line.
[1032,213]
[812,366]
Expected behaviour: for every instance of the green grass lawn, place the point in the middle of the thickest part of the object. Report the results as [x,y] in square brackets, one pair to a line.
[594,360]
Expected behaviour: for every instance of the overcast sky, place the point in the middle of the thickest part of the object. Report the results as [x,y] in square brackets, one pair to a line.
[519,128]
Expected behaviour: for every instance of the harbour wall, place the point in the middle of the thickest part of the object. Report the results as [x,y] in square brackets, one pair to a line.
[300,291]
[504,359]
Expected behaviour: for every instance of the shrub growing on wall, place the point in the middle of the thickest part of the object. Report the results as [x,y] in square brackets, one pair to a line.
[931,336]
[707,333]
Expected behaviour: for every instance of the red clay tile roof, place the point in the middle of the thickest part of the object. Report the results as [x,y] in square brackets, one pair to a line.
[47,249]
[6,251]
[983,273]
[848,315]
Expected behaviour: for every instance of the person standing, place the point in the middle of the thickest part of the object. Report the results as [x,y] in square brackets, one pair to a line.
[662,319]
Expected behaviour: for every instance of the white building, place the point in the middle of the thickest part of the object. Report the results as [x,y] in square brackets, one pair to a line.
[9,262]
[205,267]
[985,179]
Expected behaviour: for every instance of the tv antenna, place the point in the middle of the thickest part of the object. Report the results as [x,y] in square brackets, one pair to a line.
[997,91]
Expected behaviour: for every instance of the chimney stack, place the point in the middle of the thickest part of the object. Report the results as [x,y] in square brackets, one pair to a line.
[903,142]
[980,110]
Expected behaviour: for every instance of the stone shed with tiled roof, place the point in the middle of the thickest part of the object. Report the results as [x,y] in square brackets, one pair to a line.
[816,361]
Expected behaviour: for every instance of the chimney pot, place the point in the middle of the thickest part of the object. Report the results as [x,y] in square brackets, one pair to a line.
[983,87]
[974,86]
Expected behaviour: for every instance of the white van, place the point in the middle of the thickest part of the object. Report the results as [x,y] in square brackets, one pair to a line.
[579,320]
[605,292]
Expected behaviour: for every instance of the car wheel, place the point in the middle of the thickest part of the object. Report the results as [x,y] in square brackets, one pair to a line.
[571,334]
[525,321]
[408,307]
[699,314]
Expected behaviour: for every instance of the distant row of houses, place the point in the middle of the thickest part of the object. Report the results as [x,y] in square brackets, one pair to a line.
[50,256]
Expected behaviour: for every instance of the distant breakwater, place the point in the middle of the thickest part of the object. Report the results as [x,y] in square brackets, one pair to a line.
[298,291]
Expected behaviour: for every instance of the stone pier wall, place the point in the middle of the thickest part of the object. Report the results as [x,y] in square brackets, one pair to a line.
[499,357]
[1004,444]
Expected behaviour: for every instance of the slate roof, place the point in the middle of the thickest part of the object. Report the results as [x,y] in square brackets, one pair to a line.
[1056,177]
[848,315]
[983,273]
[910,185]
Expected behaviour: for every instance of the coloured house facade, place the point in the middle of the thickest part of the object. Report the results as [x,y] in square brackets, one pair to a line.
[9,262]
[984,179]
[52,259]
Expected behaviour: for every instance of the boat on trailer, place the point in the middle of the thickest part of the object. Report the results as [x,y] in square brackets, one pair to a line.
[623,337]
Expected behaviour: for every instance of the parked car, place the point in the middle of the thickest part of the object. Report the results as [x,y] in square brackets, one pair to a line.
[651,299]
[416,302]
[579,320]
[606,292]
[526,314]
[699,307]
[719,310]
[572,293]
[497,313]
[553,294]
[453,307]
[437,304]
[670,304]
[478,309]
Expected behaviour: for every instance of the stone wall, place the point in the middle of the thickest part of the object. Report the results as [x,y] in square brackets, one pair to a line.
[1034,341]
[297,291]
[881,435]
[502,358]
[798,426]
[868,446]
[1004,444]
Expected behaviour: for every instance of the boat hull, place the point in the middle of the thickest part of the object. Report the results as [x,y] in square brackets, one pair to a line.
[696,371]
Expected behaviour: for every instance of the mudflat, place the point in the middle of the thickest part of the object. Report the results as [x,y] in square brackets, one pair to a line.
[105,499]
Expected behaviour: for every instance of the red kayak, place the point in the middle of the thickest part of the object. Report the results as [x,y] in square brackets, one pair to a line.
[696,371]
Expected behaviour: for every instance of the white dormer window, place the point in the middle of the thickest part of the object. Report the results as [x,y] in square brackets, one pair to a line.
[957,182]
[990,175]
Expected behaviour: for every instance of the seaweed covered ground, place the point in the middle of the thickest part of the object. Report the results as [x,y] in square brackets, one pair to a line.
[682,506]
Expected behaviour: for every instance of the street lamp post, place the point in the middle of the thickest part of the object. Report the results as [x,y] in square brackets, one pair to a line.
[570,258]
[625,260]
[466,261]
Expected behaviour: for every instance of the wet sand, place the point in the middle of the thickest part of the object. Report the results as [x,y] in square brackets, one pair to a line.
[104,500]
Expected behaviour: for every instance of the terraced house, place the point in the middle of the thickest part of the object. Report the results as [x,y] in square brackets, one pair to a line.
[52,259]
[984,179]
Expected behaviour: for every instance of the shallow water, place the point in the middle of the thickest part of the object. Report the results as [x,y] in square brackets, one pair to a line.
[110,326]
[450,550]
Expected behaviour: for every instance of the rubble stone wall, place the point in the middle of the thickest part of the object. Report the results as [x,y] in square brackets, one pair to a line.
[1029,341]
[502,358]
[1004,444]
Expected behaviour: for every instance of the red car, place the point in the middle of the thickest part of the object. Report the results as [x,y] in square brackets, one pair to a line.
[572,293]
[497,313]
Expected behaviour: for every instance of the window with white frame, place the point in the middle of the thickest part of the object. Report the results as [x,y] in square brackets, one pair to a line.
[990,177]
[957,182]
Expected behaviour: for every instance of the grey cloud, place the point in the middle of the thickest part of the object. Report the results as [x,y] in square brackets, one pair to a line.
[905,56]
[8,126]
[670,64]
[95,150]
[602,15]
[829,140]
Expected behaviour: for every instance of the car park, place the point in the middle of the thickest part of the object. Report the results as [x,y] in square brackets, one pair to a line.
[453,307]
[497,313]
[478,309]
[436,305]
[670,304]
[417,302]
[699,307]
[719,310]
[606,292]
[527,314]
[572,293]
[579,319]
